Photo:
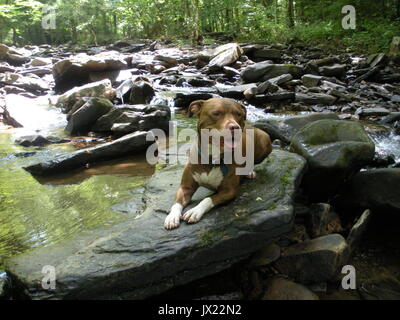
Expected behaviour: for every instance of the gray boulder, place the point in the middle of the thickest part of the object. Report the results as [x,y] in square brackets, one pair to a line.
[99,89]
[310,80]
[334,149]
[394,52]
[139,259]
[284,129]
[337,70]
[74,71]
[225,55]
[372,112]
[126,145]
[130,118]
[235,92]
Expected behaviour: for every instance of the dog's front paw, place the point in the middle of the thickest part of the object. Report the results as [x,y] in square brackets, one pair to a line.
[193,215]
[172,221]
[251,175]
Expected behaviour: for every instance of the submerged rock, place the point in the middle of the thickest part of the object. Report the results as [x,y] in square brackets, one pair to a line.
[140,258]
[126,145]
[38,140]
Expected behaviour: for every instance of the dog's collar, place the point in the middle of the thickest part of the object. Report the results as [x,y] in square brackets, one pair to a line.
[221,164]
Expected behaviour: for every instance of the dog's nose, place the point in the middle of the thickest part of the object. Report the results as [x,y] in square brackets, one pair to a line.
[233,126]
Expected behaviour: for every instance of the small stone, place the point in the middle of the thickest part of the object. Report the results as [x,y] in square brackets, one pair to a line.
[310,80]
[323,220]
[372,112]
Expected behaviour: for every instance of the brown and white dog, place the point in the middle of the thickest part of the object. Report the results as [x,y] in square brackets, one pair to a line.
[224,115]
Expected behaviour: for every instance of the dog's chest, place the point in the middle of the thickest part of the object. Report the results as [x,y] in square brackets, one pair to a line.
[211,179]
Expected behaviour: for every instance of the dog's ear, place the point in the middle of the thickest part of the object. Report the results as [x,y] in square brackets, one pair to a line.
[195,107]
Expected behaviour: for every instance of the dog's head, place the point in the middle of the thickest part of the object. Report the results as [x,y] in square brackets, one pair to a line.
[225,115]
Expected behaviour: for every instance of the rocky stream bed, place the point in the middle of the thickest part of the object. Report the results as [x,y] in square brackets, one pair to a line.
[77,193]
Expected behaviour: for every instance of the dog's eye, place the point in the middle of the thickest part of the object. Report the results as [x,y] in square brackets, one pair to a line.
[216,113]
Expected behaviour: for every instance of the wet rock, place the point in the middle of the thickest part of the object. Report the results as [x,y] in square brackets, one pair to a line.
[31,83]
[261,99]
[282,289]
[315,98]
[281,79]
[394,52]
[372,112]
[100,89]
[74,71]
[39,62]
[38,140]
[230,72]
[225,55]
[5,67]
[141,93]
[337,70]
[310,80]
[267,87]
[235,92]
[183,100]
[123,261]
[285,129]
[82,120]
[375,189]
[315,260]
[323,220]
[334,149]
[265,71]
[265,256]
[129,144]
[130,118]
[358,230]
[200,82]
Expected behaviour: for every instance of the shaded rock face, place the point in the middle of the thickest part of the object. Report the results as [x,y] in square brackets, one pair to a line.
[314,261]
[127,145]
[334,149]
[75,71]
[141,93]
[263,71]
[130,118]
[81,120]
[377,189]
[140,258]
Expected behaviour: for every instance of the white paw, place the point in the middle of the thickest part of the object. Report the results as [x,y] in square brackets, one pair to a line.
[252,175]
[172,221]
[193,215]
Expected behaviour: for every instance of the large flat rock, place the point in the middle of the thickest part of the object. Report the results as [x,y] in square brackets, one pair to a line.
[139,258]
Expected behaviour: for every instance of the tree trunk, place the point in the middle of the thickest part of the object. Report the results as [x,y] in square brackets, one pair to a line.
[290,14]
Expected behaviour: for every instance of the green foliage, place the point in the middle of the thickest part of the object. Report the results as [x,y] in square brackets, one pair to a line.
[103,21]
